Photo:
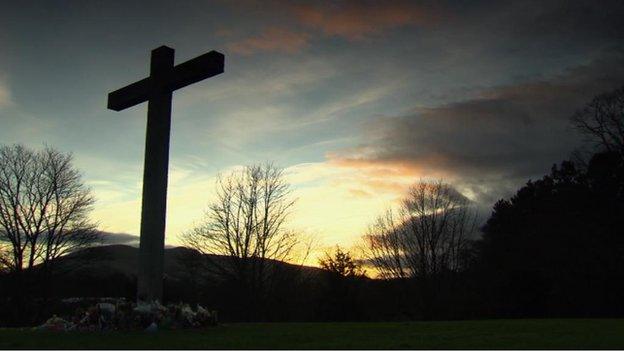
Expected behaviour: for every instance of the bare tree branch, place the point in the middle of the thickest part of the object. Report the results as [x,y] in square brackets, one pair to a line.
[602,121]
[44,206]
[426,236]
[247,223]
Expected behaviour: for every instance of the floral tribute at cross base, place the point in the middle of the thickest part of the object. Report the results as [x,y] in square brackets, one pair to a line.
[123,315]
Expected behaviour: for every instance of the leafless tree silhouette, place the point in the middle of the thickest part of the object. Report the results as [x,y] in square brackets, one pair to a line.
[602,121]
[247,224]
[44,207]
[424,240]
[425,235]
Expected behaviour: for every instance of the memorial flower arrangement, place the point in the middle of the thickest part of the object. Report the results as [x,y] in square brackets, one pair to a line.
[125,315]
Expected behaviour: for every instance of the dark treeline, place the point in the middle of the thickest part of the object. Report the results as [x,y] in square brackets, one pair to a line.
[557,247]
[554,249]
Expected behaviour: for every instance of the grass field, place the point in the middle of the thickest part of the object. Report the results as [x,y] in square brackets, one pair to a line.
[498,334]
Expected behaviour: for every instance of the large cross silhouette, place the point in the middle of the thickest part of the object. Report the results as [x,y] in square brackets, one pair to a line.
[157,90]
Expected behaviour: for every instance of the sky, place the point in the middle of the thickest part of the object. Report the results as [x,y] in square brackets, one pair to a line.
[356,100]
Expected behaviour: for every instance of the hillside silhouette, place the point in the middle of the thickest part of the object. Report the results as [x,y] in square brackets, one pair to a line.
[86,272]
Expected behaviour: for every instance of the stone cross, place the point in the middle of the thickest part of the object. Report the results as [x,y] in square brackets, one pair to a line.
[157,90]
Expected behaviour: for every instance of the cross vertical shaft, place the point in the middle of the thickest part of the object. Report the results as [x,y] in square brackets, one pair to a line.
[153,213]
[157,90]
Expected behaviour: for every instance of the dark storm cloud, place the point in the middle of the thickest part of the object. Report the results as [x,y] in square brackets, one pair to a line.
[509,133]
[569,21]
[109,238]
[539,20]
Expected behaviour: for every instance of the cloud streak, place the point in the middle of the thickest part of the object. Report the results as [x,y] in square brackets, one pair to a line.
[274,39]
[350,20]
[357,20]
[5,94]
[109,238]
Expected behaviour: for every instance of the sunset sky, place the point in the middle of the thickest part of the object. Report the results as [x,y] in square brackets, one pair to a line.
[356,100]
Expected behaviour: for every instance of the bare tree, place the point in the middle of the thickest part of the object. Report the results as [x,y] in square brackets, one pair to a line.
[602,121]
[425,236]
[386,246]
[424,240]
[247,224]
[44,206]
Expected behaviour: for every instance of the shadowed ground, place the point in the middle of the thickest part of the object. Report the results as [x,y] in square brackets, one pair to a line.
[497,334]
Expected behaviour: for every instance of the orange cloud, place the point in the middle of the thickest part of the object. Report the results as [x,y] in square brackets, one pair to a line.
[356,20]
[271,39]
[380,167]
[352,20]
[369,176]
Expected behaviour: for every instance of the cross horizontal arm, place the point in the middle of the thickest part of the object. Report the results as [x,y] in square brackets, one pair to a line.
[205,66]
[189,72]
[130,95]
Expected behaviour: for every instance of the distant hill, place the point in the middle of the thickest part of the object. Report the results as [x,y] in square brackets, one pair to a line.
[111,270]
[124,259]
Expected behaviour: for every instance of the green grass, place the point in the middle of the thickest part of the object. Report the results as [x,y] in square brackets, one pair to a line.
[497,334]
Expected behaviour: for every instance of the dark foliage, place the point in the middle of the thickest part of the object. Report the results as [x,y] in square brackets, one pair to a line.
[556,248]
[340,297]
